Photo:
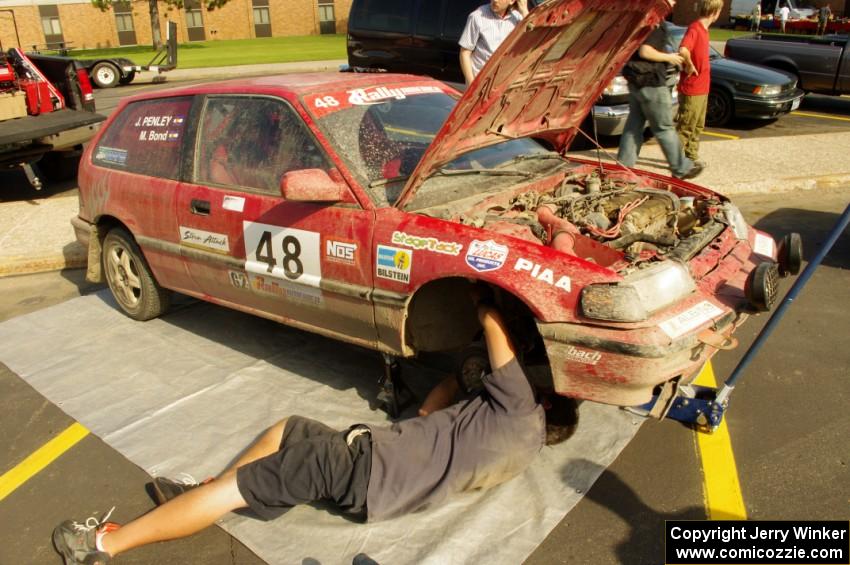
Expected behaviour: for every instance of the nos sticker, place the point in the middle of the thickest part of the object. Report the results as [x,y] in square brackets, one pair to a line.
[691,318]
[486,255]
[394,263]
[284,253]
[204,239]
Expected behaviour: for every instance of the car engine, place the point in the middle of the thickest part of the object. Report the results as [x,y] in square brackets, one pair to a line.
[605,220]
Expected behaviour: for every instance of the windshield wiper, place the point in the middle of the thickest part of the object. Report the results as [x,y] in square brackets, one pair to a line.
[382,182]
[488,172]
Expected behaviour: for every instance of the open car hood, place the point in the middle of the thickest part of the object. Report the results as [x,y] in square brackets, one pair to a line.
[543,79]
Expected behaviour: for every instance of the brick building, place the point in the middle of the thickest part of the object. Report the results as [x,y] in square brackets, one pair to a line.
[78,24]
[685,10]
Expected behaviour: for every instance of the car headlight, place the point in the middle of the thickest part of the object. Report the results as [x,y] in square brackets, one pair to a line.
[639,295]
[619,85]
[768,90]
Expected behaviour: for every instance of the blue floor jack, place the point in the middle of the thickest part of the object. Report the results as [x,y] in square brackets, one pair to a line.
[705,406]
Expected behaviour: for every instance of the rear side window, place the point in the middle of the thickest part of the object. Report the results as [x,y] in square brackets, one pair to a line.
[383,15]
[147,138]
[251,142]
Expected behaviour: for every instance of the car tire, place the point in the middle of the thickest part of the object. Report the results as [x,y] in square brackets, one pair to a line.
[128,78]
[130,279]
[105,75]
[719,109]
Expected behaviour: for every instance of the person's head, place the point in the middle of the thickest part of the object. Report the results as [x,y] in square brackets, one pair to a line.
[501,6]
[561,418]
[710,9]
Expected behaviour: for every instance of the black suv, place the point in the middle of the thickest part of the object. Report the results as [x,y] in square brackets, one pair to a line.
[420,37]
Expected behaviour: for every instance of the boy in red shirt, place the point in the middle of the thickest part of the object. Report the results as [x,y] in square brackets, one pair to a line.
[695,81]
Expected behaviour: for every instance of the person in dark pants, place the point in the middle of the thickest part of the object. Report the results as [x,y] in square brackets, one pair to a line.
[369,472]
[824,14]
[650,101]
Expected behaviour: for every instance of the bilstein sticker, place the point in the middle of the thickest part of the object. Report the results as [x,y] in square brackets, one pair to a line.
[543,274]
[204,239]
[427,243]
[394,263]
[486,255]
[691,318]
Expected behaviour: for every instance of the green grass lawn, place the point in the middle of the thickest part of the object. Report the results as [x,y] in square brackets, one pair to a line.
[723,34]
[235,52]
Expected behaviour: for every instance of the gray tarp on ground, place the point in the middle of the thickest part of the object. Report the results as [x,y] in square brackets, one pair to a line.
[186,392]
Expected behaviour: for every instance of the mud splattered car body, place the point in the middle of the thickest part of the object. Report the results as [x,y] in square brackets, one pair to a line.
[358,207]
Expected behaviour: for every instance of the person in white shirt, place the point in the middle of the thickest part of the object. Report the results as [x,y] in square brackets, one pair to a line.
[486,28]
[784,13]
[755,17]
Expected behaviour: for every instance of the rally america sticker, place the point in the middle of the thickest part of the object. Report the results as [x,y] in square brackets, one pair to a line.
[486,255]
[394,263]
[376,95]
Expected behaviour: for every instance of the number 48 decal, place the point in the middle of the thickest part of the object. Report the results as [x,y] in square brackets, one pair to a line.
[285,253]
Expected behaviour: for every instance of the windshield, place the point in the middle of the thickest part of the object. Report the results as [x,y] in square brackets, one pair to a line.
[382,133]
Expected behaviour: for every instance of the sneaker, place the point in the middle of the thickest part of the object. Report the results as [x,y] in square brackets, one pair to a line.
[693,172]
[165,489]
[77,543]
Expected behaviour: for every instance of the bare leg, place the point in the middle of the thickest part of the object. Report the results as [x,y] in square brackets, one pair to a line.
[267,444]
[180,517]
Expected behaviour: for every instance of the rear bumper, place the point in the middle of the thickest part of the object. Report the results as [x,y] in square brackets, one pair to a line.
[82,229]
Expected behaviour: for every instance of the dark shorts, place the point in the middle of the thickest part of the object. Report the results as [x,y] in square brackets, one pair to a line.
[314,463]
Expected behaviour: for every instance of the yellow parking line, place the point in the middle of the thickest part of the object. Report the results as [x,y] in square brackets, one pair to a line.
[722,490]
[824,116]
[723,135]
[40,459]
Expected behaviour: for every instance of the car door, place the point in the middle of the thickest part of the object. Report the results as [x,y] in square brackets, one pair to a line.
[300,262]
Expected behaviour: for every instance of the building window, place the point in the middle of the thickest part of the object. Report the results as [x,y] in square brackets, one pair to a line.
[326,13]
[51,26]
[327,18]
[124,22]
[261,16]
[194,18]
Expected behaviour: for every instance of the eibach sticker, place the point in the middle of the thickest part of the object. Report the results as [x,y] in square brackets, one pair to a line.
[324,103]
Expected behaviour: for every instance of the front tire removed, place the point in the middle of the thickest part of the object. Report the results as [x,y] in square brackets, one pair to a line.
[129,278]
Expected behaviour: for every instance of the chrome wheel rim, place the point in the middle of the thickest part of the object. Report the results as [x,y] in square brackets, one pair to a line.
[123,276]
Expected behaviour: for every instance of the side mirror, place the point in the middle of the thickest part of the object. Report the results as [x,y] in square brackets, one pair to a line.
[313,185]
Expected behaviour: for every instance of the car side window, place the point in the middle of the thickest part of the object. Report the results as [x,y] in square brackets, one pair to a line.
[382,15]
[146,138]
[251,142]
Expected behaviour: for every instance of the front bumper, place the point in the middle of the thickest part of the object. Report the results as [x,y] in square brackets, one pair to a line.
[767,108]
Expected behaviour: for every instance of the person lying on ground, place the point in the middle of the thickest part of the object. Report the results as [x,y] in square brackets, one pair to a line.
[369,472]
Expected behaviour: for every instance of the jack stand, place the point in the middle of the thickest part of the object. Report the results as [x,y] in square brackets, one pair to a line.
[394,396]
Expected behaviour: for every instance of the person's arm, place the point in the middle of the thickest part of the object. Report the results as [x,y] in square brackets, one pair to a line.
[466,65]
[690,69]
[499,347]
[650,53]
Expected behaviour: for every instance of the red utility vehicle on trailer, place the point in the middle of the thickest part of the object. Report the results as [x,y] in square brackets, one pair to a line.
[46,114]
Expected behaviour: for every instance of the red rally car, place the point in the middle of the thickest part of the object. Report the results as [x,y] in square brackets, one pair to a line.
[359,206]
